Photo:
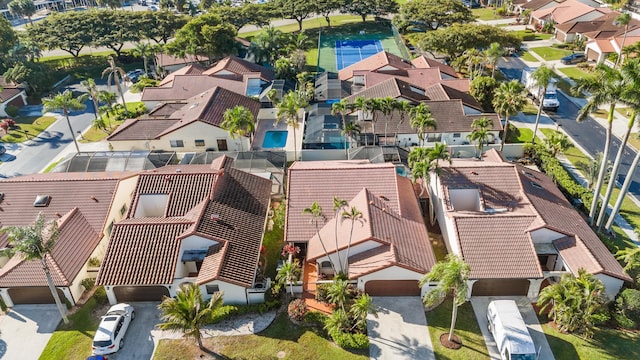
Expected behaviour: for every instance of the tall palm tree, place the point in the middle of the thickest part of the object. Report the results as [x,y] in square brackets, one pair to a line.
[435,155]
[36,242]
[493,53]
[109,98]
[451,277]
[542,77]
[372,106]
[239,121]
[606,86]
[189,312]
[338,205]
[404,108]
[65,102]
[288,109]
[557,143]
[288,273]
[622,19]
[386,105]
[354,215]
[422,120]
[360,103]
[145,51]
[480,133]
[342,107]
[420,166]
[115,75]
[623,191]
[92,90]
[317,218]
[508,100]
[351,130]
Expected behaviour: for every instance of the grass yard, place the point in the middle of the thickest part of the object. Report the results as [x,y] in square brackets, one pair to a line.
[95,134]
[27,124]
[282,337]
[574,73]
[439,320]
[526,56]
[565,87]
[310,24]
[530,109]
[550,53]
[530,35]
[273,242]
[522,135]
[486,13]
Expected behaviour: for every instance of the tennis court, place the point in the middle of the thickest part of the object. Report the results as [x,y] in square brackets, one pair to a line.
[349,52]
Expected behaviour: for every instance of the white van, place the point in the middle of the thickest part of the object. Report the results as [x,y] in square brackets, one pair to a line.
[510,331]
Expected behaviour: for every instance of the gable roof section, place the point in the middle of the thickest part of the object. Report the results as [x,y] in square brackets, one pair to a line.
[567,11]
[238,67]
[375,63]
[193,69]
[443,92]
[185,86]
[423,62]
[537,4]
[392,87]
[141,129]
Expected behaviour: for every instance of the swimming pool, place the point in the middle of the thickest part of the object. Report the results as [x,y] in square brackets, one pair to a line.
[275,139]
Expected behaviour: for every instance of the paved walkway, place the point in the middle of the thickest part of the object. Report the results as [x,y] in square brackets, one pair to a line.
[400,330]
[26,330]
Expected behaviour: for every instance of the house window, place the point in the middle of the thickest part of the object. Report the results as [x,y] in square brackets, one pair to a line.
[434,137]
[222,145]
[456,135]
[109,228]
[199,142]
[212,289]
[176,143]
[123,209]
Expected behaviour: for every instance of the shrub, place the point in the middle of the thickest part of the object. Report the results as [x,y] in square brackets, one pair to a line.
[321,292]
[502,11]
[350,341]
[12,110]
[627,310]
[3,306]
[297,309]
[101,296]
[94,262]
[88,283]
[315,318]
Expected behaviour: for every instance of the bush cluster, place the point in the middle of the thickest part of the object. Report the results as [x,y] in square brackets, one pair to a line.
[627,309]
[349,340]
[297,309]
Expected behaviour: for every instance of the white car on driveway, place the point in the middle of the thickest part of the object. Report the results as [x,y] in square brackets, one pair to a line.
[109,337]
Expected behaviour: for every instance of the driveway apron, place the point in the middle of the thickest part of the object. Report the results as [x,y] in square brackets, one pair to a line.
[400,330]
[26,330]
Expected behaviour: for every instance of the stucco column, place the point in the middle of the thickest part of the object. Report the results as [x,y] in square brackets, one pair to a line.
[4,293]
[68,295]
[111,295]
[470,288]
[534,289]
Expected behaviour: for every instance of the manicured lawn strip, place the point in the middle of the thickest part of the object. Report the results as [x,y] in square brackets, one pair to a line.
[634,140]
[34,125]
[95,134]
[309,25]
[530,109]
[526,56]
[439,320]
[522,136]
[529,35]
[573,73]
[565,87]
[73,341]
[548,53]
[487,13]
[607,344]
[69,56]
[295,341]
[273,242]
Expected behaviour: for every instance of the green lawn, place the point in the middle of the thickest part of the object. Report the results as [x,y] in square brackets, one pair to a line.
[574,73]
[273,242]
[565,87]
[281,338]
[522,135]
[95,134]
[550,53]
[486,13]
[439,320]
[27,126]
[530,35]
[526,56]
[530,109]
[310,24]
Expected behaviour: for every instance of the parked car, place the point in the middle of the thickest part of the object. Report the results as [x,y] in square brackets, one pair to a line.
[2,150]
[134,75]
[153,8]
[510,332]
[97,357]
[109,337]
[573,58]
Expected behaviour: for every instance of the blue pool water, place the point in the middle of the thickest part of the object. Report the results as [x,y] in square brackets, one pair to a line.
[275,139]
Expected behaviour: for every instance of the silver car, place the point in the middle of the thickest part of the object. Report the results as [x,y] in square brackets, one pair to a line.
[109,337]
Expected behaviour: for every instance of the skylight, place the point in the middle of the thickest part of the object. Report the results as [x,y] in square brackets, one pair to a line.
[42,201]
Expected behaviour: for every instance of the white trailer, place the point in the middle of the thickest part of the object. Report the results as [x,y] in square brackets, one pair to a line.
[549,99]
[510,332]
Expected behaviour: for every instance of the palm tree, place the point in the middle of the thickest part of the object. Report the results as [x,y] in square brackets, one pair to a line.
[92,90]
[239,121]
[622,19]
[109,98]
[145,51]
[509,99]
[493,53]
[437,154]
[451,277]
[288,109]
[386,105]
[630,256]
[288,274]
[360,104]
[542,77]
[404,108]
[36,242]
[623,191]
[352,129]
[361,307]
[420,166]
[422,120]
[606,87]
[354,215]
[189,312]
[65,102]
[338,204]
[317,216]
[480,133]
[557,142]
[590,170]
[372,106]
[337,292]
[116,74]
[342,107]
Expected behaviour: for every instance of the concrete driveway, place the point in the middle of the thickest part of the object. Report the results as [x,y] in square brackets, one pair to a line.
[480,304]
[400,330]
[138,342]
[26,329]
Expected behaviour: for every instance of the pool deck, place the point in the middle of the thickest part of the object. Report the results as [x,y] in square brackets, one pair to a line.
[263,126]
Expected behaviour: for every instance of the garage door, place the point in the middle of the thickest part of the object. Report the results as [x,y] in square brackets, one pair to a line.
[33,295]
[392,288]
[592,55]
[501,287]
[140,293]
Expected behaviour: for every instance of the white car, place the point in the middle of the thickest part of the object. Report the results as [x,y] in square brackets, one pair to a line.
[109,337]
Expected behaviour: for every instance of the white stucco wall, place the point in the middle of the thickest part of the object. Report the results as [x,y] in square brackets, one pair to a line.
[545,236]
[190,243]
[3,105]
[612,285]
[391,273]
[355,249]
[233,294]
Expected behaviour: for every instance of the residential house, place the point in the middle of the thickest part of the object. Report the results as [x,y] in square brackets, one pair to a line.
[387,248]
[168,64]
[567,11]
[191,125]
[85,206]
[599,49]
[190,224]
[515,229]
[11,95]
[603,27]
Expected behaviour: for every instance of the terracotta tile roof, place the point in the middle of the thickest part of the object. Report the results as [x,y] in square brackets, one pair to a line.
[537,4]
[418,77]
[141,129]
[238,67]
[604,45]
[8,93]
[394,88]
[240,202]
[185,86]
[381,61]
[567,11]
[165,110]
[76,242]
[168,60]
[423,62]
[444,92]
[576,255]
[371,260]
[604,26]
[494,250]
[193,69]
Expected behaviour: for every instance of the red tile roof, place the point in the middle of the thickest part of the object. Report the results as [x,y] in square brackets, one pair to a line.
[193,69]
[238,68]
[382,61]
[141,129]
[567,11]
[185,86]
[423,62]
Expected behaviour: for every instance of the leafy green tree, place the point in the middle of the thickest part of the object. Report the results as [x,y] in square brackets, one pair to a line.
[542,76]
[433,14]
[143,82]
[24,8]
[557,143]
[326,7]
[576,304]
[189,312]
[288,274]
[238,121]
[65,102]
[297,10]
[451,278]
[482,89]
[627,311]
[68,31]
[159,26]
[422,120]
[318,218]
[205,35]
[377,8]
[456,39]
[239,16]
[36,242]
[112,4]
[112,28]
[17,74]
[9,40]
[480,133]
[268,45]
[115,75]
[508,100]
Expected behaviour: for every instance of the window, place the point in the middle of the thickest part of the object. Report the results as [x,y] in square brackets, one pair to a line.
[123,209]
[222,145]
[212,289]
[456,135]
[199,142]
[176,143]
[434,137]
[109,228]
